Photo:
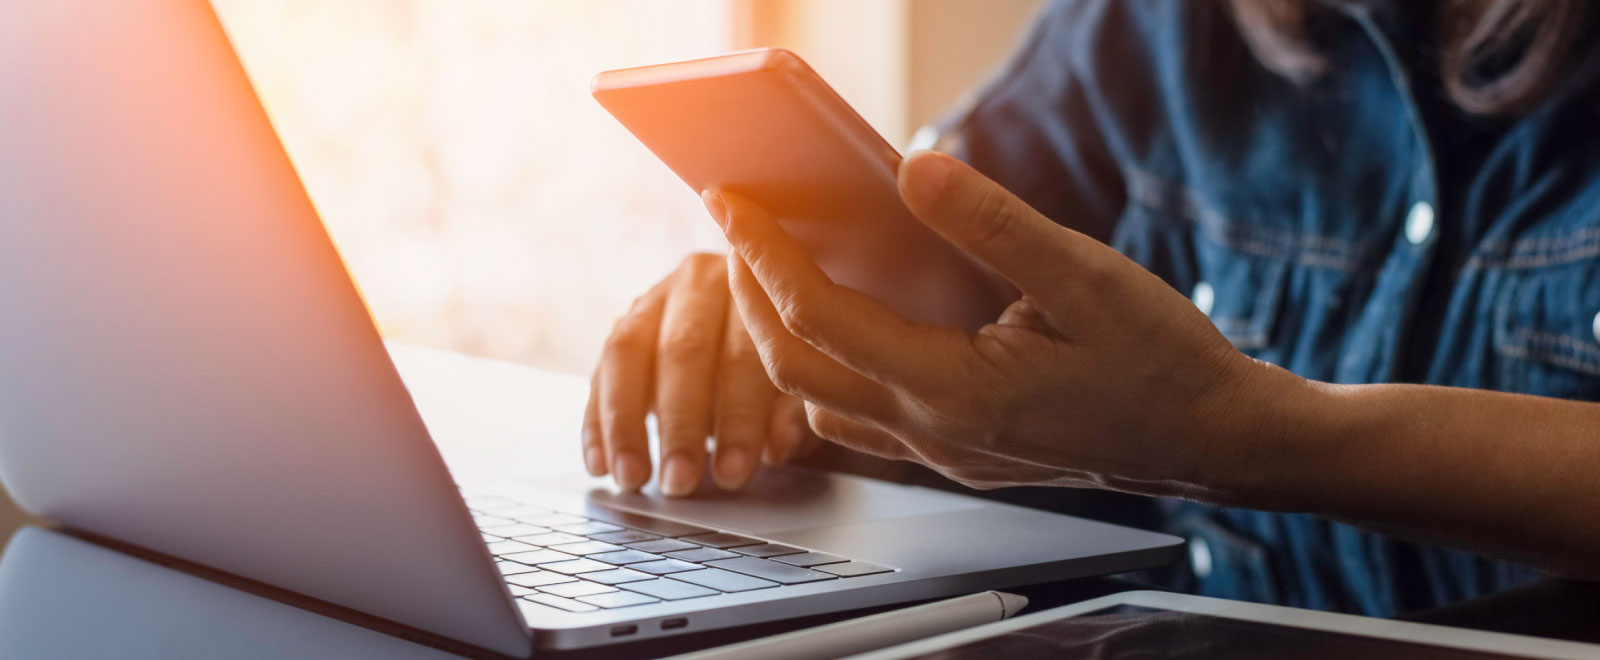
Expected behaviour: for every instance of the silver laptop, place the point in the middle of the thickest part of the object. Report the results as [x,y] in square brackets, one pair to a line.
[186,366]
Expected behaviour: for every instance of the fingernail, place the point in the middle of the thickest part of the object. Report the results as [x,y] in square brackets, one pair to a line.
[717,208]
[631,471]
[678,476]
[594,459]
[924,175]
[733,467]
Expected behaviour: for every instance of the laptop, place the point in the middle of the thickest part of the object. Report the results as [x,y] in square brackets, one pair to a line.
[187,367]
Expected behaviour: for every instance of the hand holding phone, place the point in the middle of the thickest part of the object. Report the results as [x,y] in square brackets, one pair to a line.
[763,125]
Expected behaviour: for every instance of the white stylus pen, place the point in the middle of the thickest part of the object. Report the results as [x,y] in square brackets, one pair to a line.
[874,632]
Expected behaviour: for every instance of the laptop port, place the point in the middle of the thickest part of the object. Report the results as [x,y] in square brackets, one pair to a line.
[624,630]
[674,624]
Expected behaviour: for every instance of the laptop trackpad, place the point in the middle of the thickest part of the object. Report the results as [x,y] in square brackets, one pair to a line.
[786,499]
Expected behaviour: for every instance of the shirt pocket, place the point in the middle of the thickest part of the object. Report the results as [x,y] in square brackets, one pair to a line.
[1242,293]
[1235,272]
[1546,331]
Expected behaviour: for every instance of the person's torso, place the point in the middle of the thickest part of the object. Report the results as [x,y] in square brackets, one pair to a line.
[1356,229]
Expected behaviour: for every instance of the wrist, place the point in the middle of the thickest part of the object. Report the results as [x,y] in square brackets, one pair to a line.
[1269,442]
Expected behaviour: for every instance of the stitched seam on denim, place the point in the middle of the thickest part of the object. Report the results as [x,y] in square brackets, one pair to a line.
[1486,259]
[1310,250]
[1545,242]
[1529,335]
[1557,359]
[1243,333]
[1553,348]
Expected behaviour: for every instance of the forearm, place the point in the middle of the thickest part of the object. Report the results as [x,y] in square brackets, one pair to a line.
[1508,475]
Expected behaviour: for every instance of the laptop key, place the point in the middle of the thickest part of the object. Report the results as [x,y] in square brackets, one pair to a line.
[586,548]
[666,589]
[591,527]
[768,550]
[625,557]
[520,511]
[662,546]
[518,592]
[617,599]
[617,576]
[722,540]
[538,579]
[854,569]
[537,557]
[699,555]
[576,588]
[721,580]
[664,566]
[552,520]
[809,559]
[513,568]
[510,547]
[563,603]
[646,523]
[485,520]
[770,570]
[577,566]
[519,529]
[624,536]
[552,538]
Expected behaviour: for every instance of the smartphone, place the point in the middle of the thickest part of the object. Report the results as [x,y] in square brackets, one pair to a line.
[763,125]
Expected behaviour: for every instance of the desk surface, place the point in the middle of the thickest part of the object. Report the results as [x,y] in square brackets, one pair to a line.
[62,597]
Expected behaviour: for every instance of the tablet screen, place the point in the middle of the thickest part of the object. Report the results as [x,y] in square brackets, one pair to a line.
[1137,632]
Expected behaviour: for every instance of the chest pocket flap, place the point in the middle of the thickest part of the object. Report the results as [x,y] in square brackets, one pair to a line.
[1547,331]
[1242,293]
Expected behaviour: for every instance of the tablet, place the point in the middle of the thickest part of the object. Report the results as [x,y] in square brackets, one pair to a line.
[1150,624]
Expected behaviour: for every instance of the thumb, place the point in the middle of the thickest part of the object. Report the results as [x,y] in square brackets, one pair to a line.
[985,220]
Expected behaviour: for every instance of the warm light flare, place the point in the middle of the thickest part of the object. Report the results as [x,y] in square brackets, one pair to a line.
[482,200]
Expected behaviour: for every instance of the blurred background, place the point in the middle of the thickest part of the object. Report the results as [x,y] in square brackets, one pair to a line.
[485,203]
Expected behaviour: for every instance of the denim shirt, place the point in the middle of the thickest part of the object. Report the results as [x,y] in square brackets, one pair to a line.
[1354,229]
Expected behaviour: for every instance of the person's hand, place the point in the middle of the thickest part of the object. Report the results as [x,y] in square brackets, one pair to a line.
[682,353]
[1100,375]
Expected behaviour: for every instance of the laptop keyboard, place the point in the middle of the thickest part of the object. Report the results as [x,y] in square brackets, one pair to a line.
[620,559]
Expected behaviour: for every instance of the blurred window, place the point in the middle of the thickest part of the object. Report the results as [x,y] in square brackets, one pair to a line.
[484,202]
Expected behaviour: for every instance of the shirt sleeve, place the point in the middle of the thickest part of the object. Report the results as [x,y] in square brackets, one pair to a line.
[1033,127]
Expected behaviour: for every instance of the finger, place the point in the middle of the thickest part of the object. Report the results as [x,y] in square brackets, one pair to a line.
[797,368]
[788,433]
[625,378]
[843,431]
[688,345]
[809,440]
[744,405]
[843,323]
[1038,256]
[594,449]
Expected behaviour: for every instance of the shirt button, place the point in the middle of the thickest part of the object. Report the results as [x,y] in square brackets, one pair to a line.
[1203,297]
[1597,326]
[1200,557]
[1419,222]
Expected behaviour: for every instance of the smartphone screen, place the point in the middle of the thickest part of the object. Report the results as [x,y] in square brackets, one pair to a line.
[763,125]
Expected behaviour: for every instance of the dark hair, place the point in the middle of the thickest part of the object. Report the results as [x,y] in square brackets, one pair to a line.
[1495,57]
